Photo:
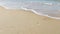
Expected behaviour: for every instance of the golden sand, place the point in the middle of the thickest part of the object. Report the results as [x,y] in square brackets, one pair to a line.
[26,22]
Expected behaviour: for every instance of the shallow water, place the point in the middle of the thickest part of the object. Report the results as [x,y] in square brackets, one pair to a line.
[45,7]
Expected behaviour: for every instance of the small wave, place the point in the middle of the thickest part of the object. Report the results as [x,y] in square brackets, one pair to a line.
[44,8]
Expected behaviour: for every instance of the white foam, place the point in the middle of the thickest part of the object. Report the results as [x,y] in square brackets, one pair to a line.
[34,7]
[41,13]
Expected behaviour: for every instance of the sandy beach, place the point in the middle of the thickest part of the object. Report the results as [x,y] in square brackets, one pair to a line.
[26,22]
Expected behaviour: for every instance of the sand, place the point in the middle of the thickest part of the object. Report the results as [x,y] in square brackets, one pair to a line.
[26,22]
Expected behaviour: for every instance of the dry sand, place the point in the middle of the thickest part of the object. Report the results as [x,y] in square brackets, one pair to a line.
[25,22]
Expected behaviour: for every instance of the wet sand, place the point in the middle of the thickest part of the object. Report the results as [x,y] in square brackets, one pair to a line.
[26,22]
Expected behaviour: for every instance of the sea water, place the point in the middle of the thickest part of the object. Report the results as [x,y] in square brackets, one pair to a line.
[50,8]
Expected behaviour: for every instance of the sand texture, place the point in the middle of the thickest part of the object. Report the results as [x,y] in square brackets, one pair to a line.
[26,22]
